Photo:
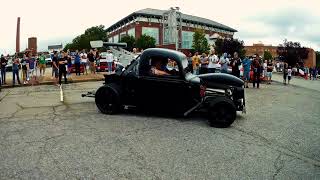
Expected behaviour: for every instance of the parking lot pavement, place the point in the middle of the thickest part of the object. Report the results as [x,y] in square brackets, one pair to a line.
[43,138]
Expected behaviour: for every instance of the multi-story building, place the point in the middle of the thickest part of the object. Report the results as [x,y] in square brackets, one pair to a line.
[260,48]
[152,22]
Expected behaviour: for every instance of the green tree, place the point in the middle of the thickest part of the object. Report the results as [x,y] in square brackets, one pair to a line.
[318,58]
[200,42]
[230,46]
[267,55]
[130,40]
[83,41]
[292,52]
[145,42]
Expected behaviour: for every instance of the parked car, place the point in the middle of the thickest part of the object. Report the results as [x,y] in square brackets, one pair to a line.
[48,59]
[102,64]
[177,91]
[9,64]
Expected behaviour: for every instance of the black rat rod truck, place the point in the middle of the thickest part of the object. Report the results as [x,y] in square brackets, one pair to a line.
[159,80]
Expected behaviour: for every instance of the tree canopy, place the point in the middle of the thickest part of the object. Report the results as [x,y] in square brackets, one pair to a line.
[130,40]
[230,46]
[267,55]
[200,43]
[292,52]
[83,41]
[145,42]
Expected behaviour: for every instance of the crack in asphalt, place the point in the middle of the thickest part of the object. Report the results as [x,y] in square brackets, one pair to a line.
[278,166]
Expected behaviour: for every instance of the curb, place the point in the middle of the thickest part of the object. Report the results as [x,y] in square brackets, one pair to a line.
[51,83]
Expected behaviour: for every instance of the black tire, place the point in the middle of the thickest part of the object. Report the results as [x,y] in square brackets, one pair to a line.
[107,99]
[222,114]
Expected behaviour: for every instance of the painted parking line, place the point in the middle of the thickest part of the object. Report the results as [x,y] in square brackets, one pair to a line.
[61,93]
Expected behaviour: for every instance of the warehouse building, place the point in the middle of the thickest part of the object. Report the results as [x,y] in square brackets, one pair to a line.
[171,29]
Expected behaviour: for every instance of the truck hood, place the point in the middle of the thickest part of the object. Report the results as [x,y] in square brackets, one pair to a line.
[221,79]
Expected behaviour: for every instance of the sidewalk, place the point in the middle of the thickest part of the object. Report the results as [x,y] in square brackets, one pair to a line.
[298,81]
[48,79]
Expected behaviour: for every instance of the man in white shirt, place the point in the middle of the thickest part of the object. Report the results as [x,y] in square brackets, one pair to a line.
[84,61]
[213,62]
[109,58]
[224,61]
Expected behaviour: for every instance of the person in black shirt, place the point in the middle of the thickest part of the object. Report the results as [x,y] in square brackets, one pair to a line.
[4,62]
[91,61]
[269,71]
[62,67]
[55,67]
[235,63]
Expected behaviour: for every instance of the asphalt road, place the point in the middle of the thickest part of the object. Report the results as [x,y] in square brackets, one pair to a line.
[43,138]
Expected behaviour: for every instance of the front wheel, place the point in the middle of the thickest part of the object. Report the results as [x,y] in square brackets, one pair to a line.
[107,99]
[222,114]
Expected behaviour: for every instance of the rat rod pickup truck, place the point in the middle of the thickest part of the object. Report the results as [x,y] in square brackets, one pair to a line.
[159,80]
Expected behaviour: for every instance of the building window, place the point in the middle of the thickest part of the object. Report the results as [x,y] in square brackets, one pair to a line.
[116,38]
[122,35]
[187,38]
[132,32]
[153,32]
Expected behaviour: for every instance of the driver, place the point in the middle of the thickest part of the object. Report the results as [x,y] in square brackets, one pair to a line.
[156,67]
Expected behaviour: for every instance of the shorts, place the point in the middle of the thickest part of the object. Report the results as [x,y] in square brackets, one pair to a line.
[69,65]
[42,66]
[246,75]
[269,74]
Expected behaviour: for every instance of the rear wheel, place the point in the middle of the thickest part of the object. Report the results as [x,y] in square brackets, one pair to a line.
[107,99]
[222,114]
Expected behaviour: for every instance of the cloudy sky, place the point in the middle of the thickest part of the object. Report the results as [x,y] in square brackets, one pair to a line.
[59,21]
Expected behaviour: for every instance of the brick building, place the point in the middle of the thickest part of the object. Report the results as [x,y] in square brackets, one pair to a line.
[259,49]
[32,45]
[151,22]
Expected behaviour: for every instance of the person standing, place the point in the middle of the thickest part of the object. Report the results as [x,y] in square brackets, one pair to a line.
[256,67]
[69,63]
[213,62]
[235,63]
[15,71]
[62,67]
[31,65]
[306,72]
[91,61]
[289,74]
[190,62]
[110,59]
[314,73]
[24,69]
[246,63]
[55,67]
[204,63]
[42,64]
[4,63]
[84,61]
[264,69]
[77,61]
[196,63]
[224,61]
[269,71]
[285,73]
